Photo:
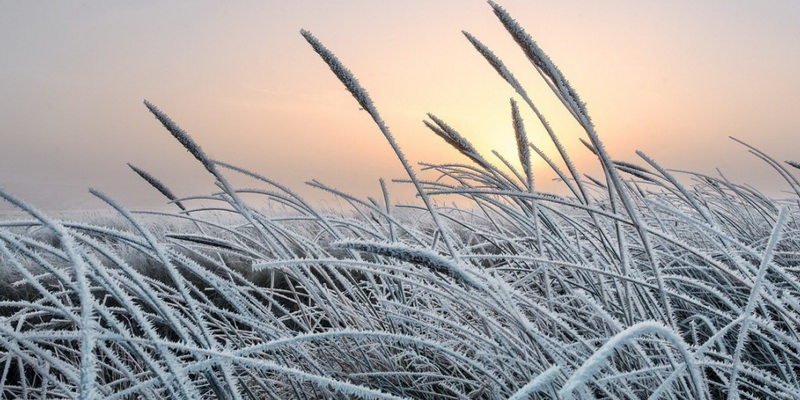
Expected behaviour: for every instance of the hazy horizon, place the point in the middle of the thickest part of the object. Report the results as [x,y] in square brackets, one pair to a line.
[672,79]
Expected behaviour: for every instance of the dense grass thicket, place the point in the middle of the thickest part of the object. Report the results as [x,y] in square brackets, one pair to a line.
[633,286]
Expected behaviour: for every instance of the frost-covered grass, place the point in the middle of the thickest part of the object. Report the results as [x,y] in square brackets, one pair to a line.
[633,286]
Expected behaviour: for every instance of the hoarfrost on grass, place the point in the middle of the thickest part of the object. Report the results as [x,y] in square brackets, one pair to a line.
[636,285]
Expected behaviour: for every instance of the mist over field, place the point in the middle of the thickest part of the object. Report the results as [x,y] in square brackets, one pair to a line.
[521,257]
[673,79]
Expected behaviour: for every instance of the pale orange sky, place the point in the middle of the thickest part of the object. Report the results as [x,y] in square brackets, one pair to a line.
[671,78]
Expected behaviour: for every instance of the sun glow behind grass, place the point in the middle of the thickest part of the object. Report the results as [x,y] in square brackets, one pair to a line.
[666,78]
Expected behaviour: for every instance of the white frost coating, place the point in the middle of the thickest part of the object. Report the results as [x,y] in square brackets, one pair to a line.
[570,99]
[158,185]
[542,62]
[523,150]
[596,361]
[341,72]
[455,139]
[86,322]
[503,71]
[175,311]
[183,138]
[352,85]
[755,293]
[419,256]
[543,379]
[495,62]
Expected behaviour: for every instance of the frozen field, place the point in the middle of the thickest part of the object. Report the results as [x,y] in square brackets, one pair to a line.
[641,282]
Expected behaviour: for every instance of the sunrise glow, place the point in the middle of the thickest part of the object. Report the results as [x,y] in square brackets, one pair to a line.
[672,79]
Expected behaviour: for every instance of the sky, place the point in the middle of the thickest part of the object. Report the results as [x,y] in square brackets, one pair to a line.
[671,78]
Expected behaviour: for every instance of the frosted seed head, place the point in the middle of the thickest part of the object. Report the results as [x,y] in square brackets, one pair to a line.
[163,189]
[341,72]
[182,137]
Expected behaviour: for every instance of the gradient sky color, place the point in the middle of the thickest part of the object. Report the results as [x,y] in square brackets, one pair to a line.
[671,78]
